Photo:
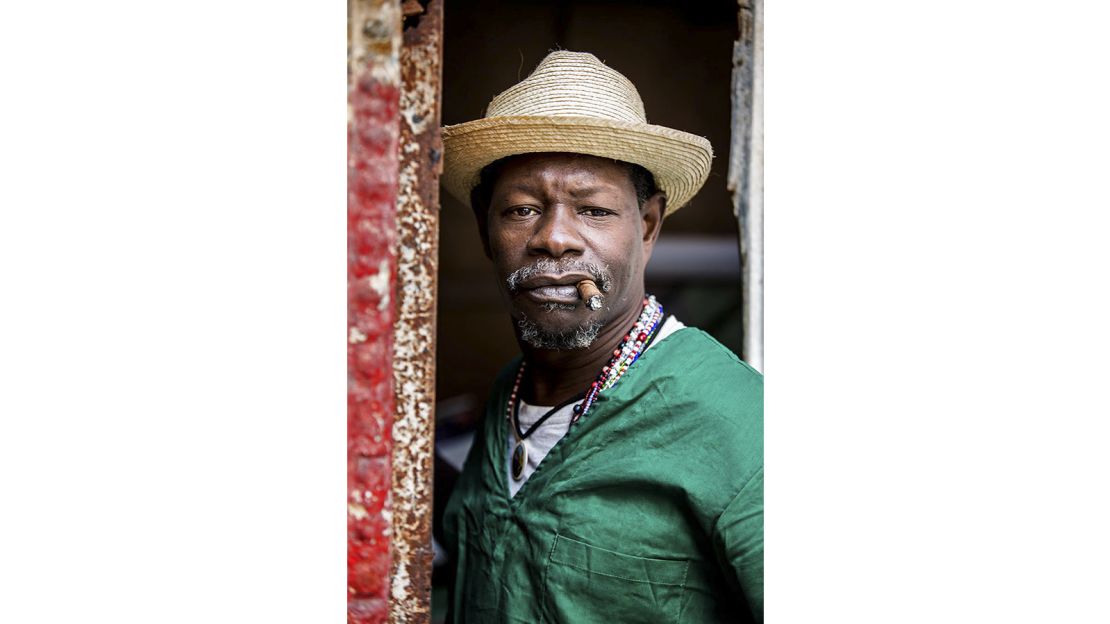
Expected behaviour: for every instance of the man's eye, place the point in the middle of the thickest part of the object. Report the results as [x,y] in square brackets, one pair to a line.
[522,211]
[597,212]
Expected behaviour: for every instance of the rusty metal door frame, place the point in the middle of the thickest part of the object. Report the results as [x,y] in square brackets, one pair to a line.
[414,335]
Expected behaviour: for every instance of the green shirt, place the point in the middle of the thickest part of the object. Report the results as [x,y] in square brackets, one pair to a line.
[650,509]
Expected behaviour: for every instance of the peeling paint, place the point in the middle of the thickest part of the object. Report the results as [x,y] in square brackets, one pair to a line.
[379,282]
[399,587]
[356,511]
[373,140]
[414,329]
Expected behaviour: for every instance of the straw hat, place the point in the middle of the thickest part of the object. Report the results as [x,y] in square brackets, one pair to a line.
[573,102]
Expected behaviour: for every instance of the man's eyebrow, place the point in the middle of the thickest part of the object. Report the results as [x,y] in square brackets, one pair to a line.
[587,191]
[520,188]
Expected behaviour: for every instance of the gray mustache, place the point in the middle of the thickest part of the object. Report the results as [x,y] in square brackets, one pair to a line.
[599,274]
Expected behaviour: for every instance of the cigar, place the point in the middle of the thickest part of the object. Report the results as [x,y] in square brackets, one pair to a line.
[587,289]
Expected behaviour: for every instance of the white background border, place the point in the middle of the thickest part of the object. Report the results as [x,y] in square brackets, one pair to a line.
[172,364]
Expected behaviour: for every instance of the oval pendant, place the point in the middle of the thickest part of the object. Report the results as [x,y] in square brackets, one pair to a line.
[520,458]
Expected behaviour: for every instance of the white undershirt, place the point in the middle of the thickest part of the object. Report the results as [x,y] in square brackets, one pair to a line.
[555,427]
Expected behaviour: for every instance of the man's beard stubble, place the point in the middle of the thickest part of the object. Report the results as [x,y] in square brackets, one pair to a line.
[536,335]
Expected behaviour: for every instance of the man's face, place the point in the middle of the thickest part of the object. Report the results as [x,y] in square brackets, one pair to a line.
[557,219]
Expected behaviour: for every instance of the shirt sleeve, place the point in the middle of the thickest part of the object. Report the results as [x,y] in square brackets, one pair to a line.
[738,538]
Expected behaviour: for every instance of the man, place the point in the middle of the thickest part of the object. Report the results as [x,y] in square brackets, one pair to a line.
[618,472]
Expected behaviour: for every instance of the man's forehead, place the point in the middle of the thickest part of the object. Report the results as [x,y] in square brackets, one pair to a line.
[577,173]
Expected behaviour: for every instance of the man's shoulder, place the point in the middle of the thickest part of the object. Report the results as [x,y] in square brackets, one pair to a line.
[700,395]
[694,356]
[704,386]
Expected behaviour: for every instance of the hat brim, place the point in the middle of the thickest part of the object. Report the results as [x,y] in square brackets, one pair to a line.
[678,160]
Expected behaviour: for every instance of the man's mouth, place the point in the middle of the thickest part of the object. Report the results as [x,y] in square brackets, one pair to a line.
[552,293]
[554,285]
[552,279]
[548,288]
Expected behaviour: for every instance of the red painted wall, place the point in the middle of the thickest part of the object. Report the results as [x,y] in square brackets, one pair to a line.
[372,144]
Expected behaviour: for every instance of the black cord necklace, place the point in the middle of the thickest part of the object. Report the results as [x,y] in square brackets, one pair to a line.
[538,423]
[520,453]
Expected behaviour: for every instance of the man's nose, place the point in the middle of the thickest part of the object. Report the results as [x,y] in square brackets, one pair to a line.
[556,234]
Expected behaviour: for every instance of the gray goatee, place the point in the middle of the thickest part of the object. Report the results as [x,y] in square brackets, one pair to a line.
[538,337]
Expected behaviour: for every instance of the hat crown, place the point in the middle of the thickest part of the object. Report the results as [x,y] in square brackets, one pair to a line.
[571,84]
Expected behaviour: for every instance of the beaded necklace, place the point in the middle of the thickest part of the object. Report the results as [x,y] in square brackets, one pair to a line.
[629,350]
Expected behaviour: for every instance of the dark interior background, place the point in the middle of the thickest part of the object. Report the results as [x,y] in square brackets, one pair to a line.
[679,57]
[678,54]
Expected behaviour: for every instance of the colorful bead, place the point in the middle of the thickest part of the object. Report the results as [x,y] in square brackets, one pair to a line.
[623,357]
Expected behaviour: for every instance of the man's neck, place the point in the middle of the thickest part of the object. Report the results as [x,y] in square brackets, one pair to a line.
[555,376]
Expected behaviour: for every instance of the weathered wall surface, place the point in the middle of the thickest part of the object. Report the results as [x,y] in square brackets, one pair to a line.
[745,169]
[373,139]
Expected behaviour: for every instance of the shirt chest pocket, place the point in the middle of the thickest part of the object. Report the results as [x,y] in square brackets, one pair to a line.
[585,583]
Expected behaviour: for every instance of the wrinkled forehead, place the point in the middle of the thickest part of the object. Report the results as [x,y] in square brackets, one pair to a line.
[566,173]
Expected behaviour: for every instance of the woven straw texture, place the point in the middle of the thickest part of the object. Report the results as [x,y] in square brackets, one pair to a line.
[573,102]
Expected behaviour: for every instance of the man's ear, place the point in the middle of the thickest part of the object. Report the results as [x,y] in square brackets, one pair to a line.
[652,214]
